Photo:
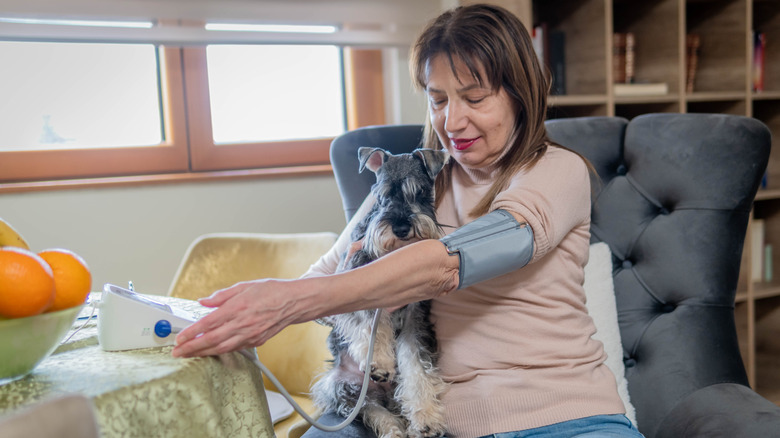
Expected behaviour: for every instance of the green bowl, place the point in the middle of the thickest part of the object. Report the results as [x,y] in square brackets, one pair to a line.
[26,342]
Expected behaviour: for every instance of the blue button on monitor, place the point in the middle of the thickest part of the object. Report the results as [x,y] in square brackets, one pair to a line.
[162,328]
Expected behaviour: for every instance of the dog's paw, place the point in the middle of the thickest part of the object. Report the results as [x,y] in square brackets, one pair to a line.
[383,369]
[393,432]
[429,431]
[426,431]
[428,422]
[381,375]
[378,373]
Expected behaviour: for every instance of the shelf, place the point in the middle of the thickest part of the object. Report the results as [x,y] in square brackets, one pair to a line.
[766,290]
[762,291]
[768,194]
[768,364]
[766,95]
[574,100]
[715,96]
[633,100]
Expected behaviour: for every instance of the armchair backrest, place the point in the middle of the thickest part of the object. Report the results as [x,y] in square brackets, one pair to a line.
[672,199]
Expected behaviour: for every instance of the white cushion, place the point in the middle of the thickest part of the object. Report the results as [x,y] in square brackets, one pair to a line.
[600,293]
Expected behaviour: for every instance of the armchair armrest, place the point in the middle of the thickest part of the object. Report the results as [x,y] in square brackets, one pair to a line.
[722,410]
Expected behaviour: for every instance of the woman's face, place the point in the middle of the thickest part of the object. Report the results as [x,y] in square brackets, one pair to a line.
[472,121]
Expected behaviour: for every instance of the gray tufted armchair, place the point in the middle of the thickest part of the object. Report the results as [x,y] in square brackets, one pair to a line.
[672,200]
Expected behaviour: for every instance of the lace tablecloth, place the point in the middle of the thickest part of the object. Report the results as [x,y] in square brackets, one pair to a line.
[147,392]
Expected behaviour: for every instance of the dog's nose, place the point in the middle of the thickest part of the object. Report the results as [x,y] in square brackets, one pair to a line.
[401,230]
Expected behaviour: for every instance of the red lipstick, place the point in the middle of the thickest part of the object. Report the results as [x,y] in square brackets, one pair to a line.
[462,144]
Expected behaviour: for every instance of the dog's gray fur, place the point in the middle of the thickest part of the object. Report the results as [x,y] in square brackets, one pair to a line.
[404,393]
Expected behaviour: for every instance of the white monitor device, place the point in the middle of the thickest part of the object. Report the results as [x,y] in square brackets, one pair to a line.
[128,320]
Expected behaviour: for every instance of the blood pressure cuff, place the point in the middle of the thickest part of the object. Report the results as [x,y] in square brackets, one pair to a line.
[491,246]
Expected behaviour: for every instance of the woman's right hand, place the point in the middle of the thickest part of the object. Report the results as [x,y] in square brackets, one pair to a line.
[247,314]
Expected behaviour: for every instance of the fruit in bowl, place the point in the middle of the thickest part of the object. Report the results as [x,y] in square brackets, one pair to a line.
[41,295]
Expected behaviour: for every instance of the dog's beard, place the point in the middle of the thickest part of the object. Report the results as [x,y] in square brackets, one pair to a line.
[381,240]
[425,227]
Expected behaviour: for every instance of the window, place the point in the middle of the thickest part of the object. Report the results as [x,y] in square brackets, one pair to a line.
[69,96]
[273,92]
[20,163]
[85,109]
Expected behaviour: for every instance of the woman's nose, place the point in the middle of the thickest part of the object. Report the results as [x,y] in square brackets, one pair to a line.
[456,118]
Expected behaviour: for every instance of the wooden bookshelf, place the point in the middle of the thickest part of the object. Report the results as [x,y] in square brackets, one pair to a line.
[723,83]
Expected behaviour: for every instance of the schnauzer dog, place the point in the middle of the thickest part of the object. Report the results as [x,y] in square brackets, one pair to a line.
[403,396]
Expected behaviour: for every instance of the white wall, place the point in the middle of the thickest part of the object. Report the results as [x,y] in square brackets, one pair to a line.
[141,233]
[403,104]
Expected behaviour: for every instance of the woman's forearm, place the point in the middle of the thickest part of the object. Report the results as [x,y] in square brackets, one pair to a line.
[420,271]
[250,313]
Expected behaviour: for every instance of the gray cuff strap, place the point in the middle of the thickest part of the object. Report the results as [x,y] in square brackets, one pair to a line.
[493,245]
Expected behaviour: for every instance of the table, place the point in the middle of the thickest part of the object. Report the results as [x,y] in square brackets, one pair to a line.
[147,392]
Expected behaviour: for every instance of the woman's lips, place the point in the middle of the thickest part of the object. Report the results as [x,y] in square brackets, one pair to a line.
[462,144]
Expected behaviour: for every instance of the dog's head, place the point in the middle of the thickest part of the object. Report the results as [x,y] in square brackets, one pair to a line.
[404,190]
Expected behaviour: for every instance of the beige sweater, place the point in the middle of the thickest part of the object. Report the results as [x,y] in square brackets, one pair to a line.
[517,350]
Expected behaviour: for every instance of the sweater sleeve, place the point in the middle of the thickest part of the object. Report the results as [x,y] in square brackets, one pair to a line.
[329,262]
[553,196]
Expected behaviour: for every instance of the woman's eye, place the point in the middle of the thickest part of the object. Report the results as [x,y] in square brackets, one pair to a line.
[475,100]
[437,102]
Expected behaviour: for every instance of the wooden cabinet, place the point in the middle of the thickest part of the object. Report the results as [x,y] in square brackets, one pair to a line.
[723,83]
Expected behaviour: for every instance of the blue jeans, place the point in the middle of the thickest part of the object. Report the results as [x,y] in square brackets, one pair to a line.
[591,427]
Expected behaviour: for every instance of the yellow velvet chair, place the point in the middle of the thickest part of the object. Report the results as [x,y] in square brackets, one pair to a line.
[297,355]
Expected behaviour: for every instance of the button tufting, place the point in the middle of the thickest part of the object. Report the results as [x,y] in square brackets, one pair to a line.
[627,264]
[621,169]
[629,363]
[668,308]
[664,211]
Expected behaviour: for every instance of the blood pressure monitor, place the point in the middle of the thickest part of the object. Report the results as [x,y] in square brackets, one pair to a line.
[128,320]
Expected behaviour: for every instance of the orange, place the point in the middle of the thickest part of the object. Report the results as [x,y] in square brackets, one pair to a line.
[72,279]
[26,283]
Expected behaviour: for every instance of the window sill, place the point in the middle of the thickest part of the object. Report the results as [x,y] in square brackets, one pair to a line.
[167,178]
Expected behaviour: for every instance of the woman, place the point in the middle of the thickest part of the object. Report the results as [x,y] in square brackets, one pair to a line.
[516,348]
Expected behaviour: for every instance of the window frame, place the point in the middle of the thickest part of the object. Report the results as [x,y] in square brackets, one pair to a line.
[206,155]
[169,156]
[188,151]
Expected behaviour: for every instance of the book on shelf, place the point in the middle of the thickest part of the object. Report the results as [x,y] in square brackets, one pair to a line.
[640,89]
[623,61]
[557,61]
[759,44]
[757,250]
[692,43]
[540,42]
[549,45]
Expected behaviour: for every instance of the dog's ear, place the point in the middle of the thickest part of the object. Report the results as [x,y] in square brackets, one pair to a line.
[373,158]
[434,160]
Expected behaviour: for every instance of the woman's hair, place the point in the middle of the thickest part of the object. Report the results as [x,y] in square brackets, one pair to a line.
[493,39]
